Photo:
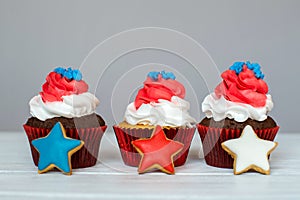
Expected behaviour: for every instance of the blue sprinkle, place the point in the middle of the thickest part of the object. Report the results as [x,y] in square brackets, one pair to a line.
[165,75]
[69,73]
[249,65]
[59,70]
[256,70]
[77,75]
[168,75]
[171,75]
[255,67]
[153,75]
[237,67]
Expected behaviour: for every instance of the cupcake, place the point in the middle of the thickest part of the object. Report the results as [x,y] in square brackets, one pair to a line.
[241,99]
[160,102]
[65,98]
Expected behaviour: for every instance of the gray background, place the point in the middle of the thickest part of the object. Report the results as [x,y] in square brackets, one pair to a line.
[35,36]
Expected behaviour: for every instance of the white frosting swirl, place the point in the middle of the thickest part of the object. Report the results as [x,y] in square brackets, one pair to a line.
[221,108]
[172,113]
[71,106]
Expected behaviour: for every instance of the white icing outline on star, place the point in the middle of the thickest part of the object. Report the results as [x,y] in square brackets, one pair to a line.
[249,152]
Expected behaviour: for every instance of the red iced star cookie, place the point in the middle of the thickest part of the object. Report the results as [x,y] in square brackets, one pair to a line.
[157,152]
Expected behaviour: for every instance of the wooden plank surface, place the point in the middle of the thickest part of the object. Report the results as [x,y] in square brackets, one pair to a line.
[111,179]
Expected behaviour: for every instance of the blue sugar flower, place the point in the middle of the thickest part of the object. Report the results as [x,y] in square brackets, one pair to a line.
[76,75]
[153,75]
[256,69]
[170,75]
[164,75]
[68,73]
[59,70]
[237,67]
[249,65]
[167,75]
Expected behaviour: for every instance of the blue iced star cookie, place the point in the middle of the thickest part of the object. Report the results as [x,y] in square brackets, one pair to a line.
[56,150]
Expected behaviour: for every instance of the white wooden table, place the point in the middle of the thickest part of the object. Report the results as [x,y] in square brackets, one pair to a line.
[111,179]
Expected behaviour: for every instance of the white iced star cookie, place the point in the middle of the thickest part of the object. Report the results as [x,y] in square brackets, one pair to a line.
[249,152]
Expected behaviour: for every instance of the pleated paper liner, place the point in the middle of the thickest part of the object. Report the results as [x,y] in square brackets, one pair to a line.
[213,137]
[85,157]
[132,158]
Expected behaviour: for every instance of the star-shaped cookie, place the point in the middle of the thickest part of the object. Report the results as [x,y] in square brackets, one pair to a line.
[157,152]
[56,150]
[249,152]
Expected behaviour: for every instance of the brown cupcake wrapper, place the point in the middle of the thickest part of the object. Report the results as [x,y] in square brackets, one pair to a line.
[132,158]
[212,138]
[85,157]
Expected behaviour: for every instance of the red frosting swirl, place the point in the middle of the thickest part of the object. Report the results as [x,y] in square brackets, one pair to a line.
[158,89]
[243,88]
[57,86]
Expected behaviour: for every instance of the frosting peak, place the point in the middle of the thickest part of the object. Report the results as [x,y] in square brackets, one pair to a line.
[64,94]
[241,95]
[160,102]
[62,82]
[159,85]
[240,84]
[171,113]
